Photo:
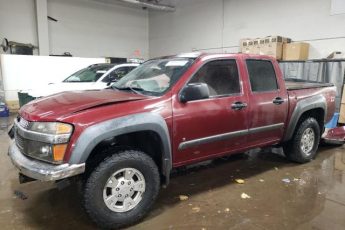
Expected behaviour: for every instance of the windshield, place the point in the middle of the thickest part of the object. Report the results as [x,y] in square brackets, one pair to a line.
[154,77]
[89,74]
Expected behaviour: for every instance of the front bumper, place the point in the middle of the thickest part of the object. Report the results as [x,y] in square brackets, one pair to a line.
[40,170]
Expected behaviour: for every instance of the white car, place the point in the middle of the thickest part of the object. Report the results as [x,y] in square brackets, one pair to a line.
[97,76]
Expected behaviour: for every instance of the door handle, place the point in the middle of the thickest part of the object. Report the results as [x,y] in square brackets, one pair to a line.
[238,105]
[278,101]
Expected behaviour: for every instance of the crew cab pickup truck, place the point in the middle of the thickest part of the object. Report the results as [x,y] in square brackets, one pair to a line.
[123,142]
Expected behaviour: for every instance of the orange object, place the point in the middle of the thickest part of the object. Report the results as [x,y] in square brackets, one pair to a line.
[59,152]
[63,128]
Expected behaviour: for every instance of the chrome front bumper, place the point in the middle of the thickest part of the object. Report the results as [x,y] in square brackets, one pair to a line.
[40,170]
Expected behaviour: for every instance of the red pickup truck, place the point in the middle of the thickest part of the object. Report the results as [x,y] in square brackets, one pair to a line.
[123,142]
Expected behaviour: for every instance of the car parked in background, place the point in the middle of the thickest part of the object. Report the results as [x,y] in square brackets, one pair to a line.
[97,76]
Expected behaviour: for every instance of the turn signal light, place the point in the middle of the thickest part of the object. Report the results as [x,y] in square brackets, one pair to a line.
[59,152]
[62,128]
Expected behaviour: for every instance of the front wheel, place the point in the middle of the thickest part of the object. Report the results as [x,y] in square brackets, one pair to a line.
[121,189]
[304,143]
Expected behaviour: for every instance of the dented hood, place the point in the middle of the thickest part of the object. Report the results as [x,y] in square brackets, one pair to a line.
[63,104]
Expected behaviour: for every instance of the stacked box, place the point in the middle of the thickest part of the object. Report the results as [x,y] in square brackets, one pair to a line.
[246,46]
[244,43]
[261,44]
[256,46]
[342,108]
[271,45]
[296,51]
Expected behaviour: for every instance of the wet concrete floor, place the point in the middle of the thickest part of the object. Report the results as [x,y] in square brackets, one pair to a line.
[312,196]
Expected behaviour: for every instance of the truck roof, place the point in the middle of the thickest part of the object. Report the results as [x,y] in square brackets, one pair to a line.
[195,55]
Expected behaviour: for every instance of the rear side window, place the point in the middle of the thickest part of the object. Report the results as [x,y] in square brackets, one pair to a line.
[262,76]
[221,77]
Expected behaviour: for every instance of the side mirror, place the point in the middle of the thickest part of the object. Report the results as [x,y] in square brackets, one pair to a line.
[112,78]
[194,91]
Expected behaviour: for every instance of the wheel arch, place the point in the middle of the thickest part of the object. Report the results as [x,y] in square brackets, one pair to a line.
[314,106]
[144,125]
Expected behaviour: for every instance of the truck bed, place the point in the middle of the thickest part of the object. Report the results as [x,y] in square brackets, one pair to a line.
[296,84]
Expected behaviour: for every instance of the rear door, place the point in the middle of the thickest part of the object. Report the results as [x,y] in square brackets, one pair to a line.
[213,126]
[268,103]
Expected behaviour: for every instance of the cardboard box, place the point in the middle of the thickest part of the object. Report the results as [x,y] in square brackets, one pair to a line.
[343,96]
[256,46]
[244,43]
[297,51]
[13,106]
[336,55]
[273,46]
[342,114]
[247,46]
[244,46]
[342,108]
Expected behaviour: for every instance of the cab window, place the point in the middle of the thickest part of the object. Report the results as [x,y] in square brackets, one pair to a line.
[262,76]
[221,77]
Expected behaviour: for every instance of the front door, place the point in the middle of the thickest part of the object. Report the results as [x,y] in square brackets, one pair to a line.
[211,127]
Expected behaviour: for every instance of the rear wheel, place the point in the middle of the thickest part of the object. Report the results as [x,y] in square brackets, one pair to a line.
[121,189]
[304,143]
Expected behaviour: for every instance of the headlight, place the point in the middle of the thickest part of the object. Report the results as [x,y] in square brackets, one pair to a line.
[45,151]
[46,141]
[51,127]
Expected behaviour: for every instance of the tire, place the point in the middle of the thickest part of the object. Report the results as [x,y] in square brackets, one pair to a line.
[140,167]
[293,148]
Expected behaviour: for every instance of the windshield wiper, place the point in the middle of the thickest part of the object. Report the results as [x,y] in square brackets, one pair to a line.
[134,89]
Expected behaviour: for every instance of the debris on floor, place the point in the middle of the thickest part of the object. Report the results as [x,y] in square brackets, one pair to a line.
[245,196]
[20,195]
[196,209]
[183,197]
[276,168]
[239,181]
[227,210]
[286,180]
[262,180]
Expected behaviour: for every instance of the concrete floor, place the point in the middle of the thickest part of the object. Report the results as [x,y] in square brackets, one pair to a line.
[314,200]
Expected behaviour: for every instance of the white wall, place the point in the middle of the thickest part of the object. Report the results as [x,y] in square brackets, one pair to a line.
[199,26]
[18,21]
[196,24]
[87,28]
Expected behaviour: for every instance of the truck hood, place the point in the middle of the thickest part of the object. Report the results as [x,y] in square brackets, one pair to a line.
[62,104]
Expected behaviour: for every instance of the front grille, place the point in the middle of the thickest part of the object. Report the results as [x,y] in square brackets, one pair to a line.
[20,142]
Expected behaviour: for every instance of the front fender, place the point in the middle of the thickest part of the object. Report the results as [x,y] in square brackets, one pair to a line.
[94,134]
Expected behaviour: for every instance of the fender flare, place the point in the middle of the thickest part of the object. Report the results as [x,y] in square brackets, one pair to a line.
[302,106]
[95,134]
